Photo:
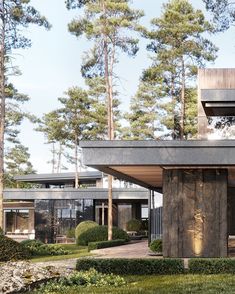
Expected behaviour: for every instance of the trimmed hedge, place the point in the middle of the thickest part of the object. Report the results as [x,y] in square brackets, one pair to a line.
[126,266]
[105,244]
[11,250]
[100,233]
[212,266]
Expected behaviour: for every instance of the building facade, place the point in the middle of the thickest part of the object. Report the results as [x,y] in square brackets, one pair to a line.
[196,177]
[53,206]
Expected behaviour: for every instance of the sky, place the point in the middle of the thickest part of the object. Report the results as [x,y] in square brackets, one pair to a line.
[52,65]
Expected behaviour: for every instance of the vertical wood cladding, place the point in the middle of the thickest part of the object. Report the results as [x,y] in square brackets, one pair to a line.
[195,213]
[217,78]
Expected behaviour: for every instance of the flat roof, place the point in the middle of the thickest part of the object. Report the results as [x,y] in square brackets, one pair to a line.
[68,194]
[58,177]
[142,162]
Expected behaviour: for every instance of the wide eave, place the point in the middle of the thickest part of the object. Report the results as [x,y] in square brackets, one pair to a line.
[142,162]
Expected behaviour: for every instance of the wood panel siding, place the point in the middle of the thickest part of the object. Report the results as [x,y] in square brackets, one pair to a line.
[216,78]
[151,175]
[195,213]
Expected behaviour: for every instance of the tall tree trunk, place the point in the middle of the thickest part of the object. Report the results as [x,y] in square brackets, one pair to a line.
[53,157]
[76,161]
[59,158]
[2,107]
[109,94]
[182,115]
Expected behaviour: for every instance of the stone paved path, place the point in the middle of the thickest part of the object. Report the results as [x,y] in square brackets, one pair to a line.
[133,250]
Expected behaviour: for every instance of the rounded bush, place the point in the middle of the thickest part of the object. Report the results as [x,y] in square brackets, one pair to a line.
[83,227]
[156,245]
[133,225]
[100,233]
[11,250]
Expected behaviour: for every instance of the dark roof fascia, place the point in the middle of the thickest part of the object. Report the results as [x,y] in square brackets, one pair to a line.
[191,153]
[58,176]
[157,144]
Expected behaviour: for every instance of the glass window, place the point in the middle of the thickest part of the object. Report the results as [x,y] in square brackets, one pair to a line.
[144,211]
[16,220]
[124,215]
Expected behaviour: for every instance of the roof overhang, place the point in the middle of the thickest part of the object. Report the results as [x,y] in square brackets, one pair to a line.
[218,102]
[142,162]
[75,194]
[58,177]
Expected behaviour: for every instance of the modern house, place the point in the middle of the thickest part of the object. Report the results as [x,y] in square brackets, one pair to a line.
[197,177]
[53,206]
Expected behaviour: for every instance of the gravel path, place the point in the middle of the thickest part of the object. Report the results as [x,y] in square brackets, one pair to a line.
[66,263]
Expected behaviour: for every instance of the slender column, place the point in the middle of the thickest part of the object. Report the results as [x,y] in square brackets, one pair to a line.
[195,213]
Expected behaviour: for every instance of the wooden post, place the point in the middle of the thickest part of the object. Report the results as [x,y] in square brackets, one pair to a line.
[195,213]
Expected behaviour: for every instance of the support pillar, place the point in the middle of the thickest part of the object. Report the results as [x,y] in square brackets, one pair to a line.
[195,213]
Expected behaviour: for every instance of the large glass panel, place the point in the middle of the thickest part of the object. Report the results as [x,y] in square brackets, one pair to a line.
[101,214]
[156,216]
[45,220]
[16,220]
[124,215]
[56,217]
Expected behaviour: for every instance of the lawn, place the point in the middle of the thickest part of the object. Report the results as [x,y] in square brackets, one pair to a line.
[184,284]
[76,252]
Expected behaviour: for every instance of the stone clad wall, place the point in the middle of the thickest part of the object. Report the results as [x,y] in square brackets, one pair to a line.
[195,213]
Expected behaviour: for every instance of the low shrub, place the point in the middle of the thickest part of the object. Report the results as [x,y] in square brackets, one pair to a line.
[100,233]
[133,225]
[11,250]
[126,266]
[81,279]
[156,245]
[83,227]
[37,248]
[212,266]
[70,233]
[105,244]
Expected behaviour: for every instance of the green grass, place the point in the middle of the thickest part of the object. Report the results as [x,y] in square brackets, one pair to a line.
[76,252]
[180,284]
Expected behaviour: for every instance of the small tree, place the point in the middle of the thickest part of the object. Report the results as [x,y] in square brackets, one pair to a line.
[17,162]
[77,117]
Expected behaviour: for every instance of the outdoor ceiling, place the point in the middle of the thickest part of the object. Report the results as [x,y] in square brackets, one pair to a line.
[150,175]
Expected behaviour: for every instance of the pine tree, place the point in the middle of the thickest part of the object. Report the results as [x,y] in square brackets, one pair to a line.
[97,93]
[76,113]
[52,125]
[15,15]
[17,162]
[223,12]
[108,24]
[180,47]
[143,116]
